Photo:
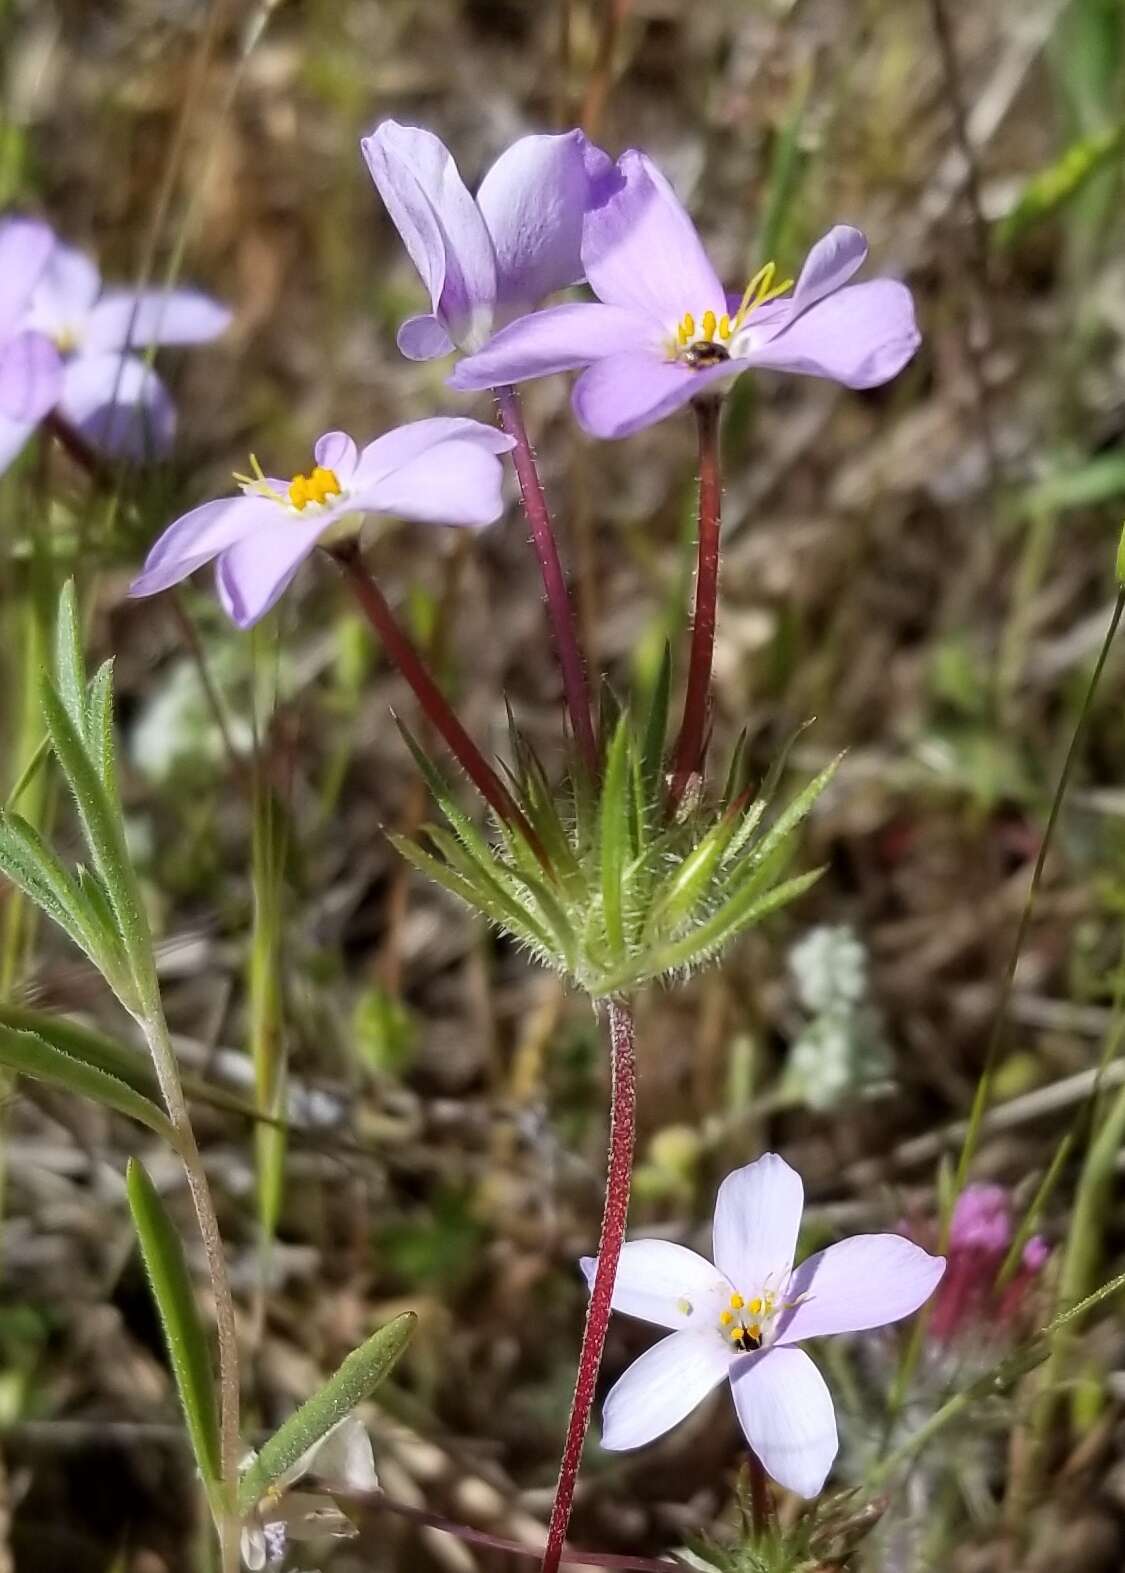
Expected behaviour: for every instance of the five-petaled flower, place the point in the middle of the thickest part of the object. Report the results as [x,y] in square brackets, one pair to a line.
[342,1460]
[109,394]
[439,471]
[484,259]
[741,1318]
[30,373]
[663,330]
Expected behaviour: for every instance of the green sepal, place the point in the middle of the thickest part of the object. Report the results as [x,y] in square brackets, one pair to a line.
[361,1373]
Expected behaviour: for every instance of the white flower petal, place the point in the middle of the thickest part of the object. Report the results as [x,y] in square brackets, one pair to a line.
[786,1411]
[665,1283]
[343,1459]
[757,1216]
[662,1387]
[867,1281]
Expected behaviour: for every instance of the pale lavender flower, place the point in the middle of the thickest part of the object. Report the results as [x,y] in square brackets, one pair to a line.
[484,259]
[29,363]
[664,329]
[343,1461]
[109,394]
[439,471]
[740,1319]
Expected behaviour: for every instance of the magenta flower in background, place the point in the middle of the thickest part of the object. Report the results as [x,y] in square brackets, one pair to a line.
[664,329]
[30,374]
[439,471]
[969,1303]
[109,395]
[488,258]
[740,1319]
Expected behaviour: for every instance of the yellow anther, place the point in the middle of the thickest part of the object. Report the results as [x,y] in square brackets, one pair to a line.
[736,1302]
[726,1318]
[684,1306]
[316,487]
[736,1334]
[710,323]
[755,1307]
[724,326]
[755,1332]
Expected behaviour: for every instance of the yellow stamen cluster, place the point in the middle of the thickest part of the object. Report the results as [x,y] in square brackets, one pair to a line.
[712,329]
[317,486]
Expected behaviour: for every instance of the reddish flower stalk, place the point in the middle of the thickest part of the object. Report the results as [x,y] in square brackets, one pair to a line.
[559,606]
[690,746]
[437,708]
[622,1131]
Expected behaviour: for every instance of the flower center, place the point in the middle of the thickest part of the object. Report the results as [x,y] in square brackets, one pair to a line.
[708,343]
[747,1322]
[315,488]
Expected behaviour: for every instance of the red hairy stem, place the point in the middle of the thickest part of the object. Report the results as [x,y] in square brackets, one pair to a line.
[622,1131]
[559,606]
[689,748]
[437,708]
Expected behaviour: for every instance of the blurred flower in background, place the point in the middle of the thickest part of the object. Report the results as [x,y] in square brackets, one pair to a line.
[971,1304]
[30,374]
[842,1052]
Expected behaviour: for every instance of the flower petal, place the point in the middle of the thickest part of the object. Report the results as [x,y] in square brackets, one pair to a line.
[13,436]
[423,338]
[665,1283]
[867,1281]
[640,250]
[337,452]
[624,393]
[342,1458]
[558,339]
[66,291]
[534,200]
[440,224]
[119,405]
[196,537]
[662,1387]
[141,317]
[860,336]
[757,1216]
[25,247]
[252,1547]
[252,575]
[403,444]
[785,1410]
[829,265]
[30,377]
[453,482]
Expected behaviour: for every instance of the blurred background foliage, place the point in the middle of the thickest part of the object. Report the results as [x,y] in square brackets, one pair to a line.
[924,572]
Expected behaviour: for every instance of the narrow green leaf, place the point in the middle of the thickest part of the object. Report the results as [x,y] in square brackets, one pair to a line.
[99,731]
[615,847]
[693,877]
[656,731]
[28,861]
[103,830]
[791,816]
[163,1256]
[1051,187]
[358,1377]
[31,1055]
[70,659]
[476,899]
[517,916]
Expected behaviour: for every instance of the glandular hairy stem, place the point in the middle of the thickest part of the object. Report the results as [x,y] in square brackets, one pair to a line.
[688,760]
[622,1134]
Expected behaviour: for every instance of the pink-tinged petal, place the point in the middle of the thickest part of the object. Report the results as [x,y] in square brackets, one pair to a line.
[640,250]
[861,336]
[337,452]
[867,1281]
[13,437]
[757,1216]
[440,224]
[558,339]
[624,393]
[829,266]
[25,247]
[119,405]
[424,338]
[453,482]
[253,575]
[662,1388]
[198,536]
[534,200]
[138,318]
[30,377]
[785,1410]
[665,1283]
[403,444]
[982,1220]
[66,291]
